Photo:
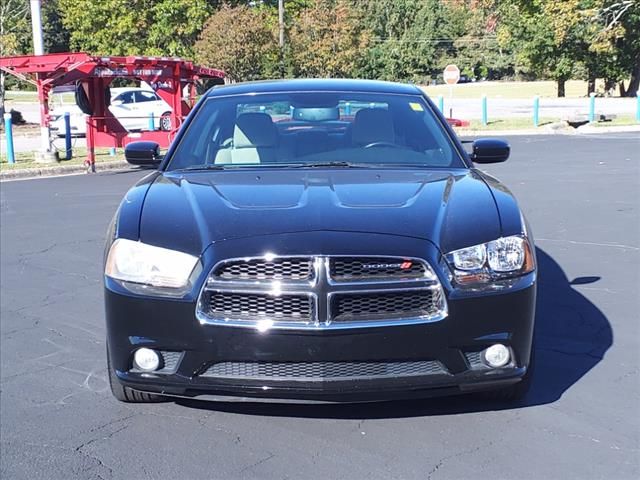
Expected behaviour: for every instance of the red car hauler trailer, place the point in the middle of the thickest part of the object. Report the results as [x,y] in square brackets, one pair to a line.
[92,76]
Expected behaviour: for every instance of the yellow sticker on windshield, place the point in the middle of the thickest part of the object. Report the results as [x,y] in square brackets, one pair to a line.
[416,107]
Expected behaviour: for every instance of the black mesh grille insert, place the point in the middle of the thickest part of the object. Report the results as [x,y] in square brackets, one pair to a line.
[474,359]
[170,360]
[366,268]
[255,306]
[408,304]
[260,269]
[322,370]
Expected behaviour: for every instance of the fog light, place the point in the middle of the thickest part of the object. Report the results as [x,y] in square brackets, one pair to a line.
[497,355]
[146,359]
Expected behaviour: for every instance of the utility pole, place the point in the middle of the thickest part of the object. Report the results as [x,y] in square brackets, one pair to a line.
[281,37]
[38,49]
[36,26]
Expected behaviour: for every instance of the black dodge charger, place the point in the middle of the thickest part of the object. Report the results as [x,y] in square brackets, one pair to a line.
[318,240]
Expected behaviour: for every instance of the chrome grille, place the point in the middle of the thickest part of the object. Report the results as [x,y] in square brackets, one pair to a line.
[419,303]
[322,370]
[260,306]
[284,269]
[320,292]
[348,269]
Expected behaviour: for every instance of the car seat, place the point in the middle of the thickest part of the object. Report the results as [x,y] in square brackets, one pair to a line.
[255,140]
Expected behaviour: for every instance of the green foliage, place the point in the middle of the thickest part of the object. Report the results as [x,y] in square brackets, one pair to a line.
[327,39]
[15,27]
[56,37]
[409,37]
[546,42]
[406,40]
[616,45]
[476,49]
[135,27]
[574,38]
[241,41]
[15,37]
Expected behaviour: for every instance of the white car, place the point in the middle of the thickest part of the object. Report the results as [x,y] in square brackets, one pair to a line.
[131,106]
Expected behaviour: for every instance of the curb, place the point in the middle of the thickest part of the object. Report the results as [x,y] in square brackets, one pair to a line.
[554,129]
[592,129]
[528,131]
[28,173]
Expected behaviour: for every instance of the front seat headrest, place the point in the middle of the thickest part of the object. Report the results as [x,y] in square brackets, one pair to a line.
[254,130]
[372,125]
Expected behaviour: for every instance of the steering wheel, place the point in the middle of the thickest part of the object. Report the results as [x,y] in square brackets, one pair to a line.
[381,144]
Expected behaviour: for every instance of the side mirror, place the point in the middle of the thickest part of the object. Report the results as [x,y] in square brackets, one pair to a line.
[490,150]
[146,154]
[116,103]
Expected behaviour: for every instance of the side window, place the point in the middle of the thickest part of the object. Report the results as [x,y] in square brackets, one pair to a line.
[125,98]
[142,96]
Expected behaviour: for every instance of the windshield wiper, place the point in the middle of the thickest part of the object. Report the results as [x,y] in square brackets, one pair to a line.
[209,166]
[237,166]
[334,164]
[339,164]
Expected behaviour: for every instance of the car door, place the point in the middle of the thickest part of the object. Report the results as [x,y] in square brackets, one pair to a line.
[148,102]
[123,107]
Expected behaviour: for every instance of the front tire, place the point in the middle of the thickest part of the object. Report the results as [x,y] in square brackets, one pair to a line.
[126,394]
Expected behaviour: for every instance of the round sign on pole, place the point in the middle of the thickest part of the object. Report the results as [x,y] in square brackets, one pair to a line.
[451,74]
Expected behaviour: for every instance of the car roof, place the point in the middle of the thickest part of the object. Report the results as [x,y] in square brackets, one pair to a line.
[314,85]
[129,89]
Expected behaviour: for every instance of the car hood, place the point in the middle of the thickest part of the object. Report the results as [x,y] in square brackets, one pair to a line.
[188,211]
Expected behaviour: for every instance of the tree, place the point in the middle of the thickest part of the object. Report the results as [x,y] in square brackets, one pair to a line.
[241,41]
[327,39]
[575,38]
[15,34]
[56,37]
[135,27]
[410,37]
[545,35]
[616,42]
[476,49]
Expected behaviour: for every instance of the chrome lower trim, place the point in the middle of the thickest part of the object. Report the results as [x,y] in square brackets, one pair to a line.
[278,325]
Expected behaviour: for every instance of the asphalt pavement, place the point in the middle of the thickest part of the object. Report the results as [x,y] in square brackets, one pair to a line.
[581,420]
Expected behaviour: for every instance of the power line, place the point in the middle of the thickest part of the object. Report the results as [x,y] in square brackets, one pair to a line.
[436,40]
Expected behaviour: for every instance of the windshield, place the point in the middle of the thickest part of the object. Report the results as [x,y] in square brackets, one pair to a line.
[314,128]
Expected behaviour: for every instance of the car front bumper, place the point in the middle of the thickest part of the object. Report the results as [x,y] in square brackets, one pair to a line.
[474,322]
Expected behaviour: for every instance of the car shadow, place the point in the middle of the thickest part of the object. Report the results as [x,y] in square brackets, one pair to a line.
[572,336]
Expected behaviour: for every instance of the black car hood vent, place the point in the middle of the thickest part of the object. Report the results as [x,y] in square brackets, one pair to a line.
[444,206]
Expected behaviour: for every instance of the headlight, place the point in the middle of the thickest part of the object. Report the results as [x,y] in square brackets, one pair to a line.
[470,258]
[502,258]
[506,254]
[139,263]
